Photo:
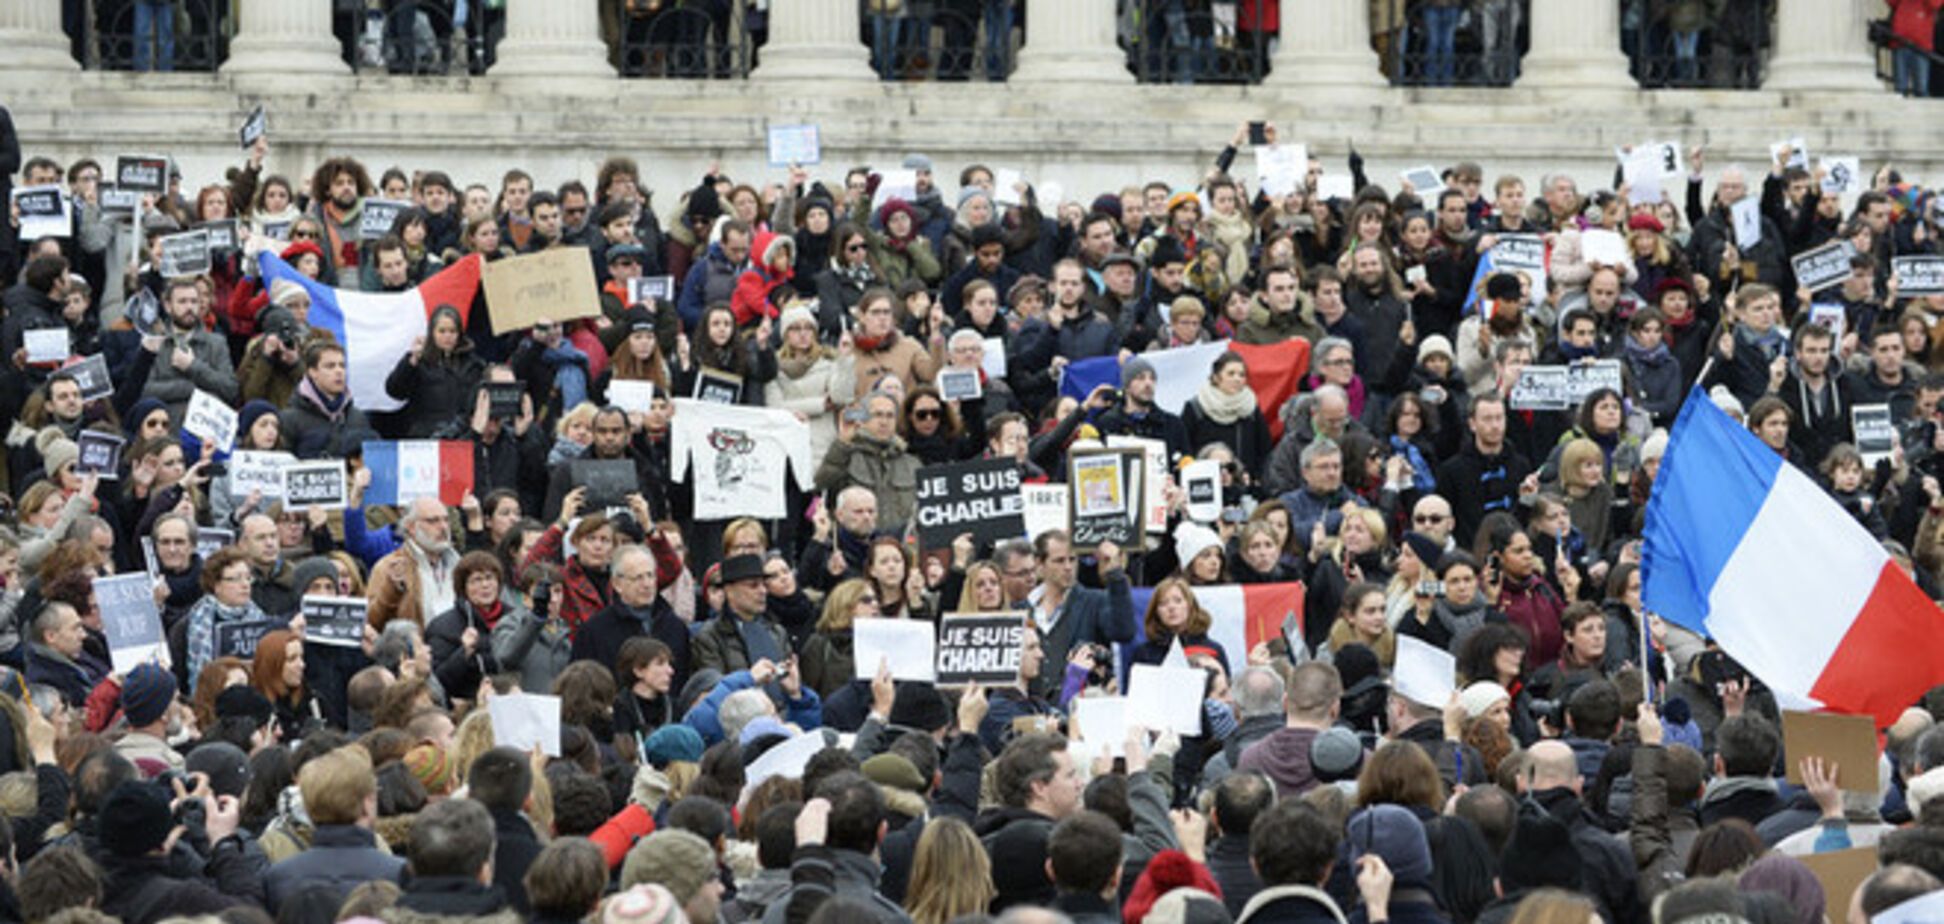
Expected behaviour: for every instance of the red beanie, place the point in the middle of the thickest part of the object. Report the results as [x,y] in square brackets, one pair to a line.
[1168,871]
[299,248]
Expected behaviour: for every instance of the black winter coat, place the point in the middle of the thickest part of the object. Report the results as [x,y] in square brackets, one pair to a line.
[438,394]
[459,672]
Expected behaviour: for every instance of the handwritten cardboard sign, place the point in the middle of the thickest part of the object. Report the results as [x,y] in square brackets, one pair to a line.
[554,285]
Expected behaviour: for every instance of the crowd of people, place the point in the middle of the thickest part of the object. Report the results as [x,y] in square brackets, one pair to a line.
[1593,760]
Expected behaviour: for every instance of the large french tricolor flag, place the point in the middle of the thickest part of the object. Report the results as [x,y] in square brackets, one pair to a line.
[407,470]
[1240,616]
[1743,547]
[1275,372]
[376,328]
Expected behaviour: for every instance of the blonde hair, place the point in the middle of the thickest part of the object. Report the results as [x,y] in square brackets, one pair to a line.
[740,525]
[582,413]
[968,601]
[1577,453]
[951,875]
[473,738]
[839,604]
[336,785]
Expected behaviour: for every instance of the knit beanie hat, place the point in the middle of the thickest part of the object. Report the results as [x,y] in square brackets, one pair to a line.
[1480,696]
[56,449]
[670,857]
[315,568]
[1427,549]
[134,819]
[140,412]
[284,292]
[146,694]
[798,313]
[1188,905]
[970,193]
[671,743]
[918,162]
[1539,854]
[638,319]
[647,903]
[1134,368]
[244,701]
[1434,345]
[1166,251]
[1396,835]
[1191,539]
[427,762]
[1335,754]
[1168,871]
[227,767]
[919,706]
[1788,877]
[247,416]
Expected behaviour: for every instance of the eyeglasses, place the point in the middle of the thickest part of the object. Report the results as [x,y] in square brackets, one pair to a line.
[239,578]
[303,235]
[1337,361]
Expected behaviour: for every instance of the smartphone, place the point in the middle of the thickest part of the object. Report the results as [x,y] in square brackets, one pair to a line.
[1258,133]
[815,507]
[1430,588]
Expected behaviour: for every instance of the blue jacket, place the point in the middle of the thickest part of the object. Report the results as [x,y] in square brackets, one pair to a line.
[340,856]
[805,712]
[712,279]
[359,540]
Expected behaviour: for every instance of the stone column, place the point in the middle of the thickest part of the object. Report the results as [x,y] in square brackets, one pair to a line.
[1824,45]
[285,37]
[553,38]
[1071,41]
[1575,46]
[1326,43]
[816,40]
[30,31]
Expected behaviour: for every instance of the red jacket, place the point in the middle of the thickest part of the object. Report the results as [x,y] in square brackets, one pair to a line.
[581,598]
[751,301]
[1915,22]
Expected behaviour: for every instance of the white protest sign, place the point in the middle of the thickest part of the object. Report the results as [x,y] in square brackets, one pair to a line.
[895,184]
[910,646]
[1281,168]
[1201,482]
[1424,674]
[1747,218]
[994,361]
[130,620]
[1523,255]
[1659,160]
[1798,152]
[1005,181]
[44,212]
[1832,316]
[1841,175]
[1044,508]
[1605,248]
[960,384]
[1166,698]
[1335,186]
[210,420]
[522,720]
[1102,721]
[631,394]
[786,760]
[254,471]
[793,145]
[643,290]
[46,344]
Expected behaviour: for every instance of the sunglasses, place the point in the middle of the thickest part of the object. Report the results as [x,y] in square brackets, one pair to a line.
[868,598]
[925,413]
[303,235]
[856,248]
[1428,518]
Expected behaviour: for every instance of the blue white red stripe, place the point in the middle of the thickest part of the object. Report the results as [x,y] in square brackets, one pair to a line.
[410,469]
[376,328]
[1240,616]
[1746,549]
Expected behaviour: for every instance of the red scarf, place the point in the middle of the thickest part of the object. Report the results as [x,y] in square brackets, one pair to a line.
[491,615]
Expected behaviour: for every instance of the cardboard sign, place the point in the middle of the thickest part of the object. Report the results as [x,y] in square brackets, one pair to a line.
[1875,435]
[185,254]
[222,234]
[1824,266]
[1848,741]
[210,420]
[1154,480]
[1106,494]
[979,497]
[131,621]
[253,471]
[1166,698]
[1798,152]
[211,539]
[377,218]
[644,290]
[239,639]
[795,145]
[1043,507]
[91,373]
[718,387]
[522,720]
[1424,673]
[1841,873]
[100,453]
[1425,182]
[632,394]
[1559,388]
[44,212]
[1201,481]
[314,484]
[1746,216]
[337,621]
[253,128]
[983,649]
[960,384]
[556,284]
[1920,275]
[142,173]
[608,482]
[503,399]
[46,344]
[909,646]
[1281,168]
[1841,175]
[1524,255]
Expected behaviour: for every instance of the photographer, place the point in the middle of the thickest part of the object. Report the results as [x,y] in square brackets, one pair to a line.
[533,640]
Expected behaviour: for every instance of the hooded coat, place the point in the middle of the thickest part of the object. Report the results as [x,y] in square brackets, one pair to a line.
[438,389]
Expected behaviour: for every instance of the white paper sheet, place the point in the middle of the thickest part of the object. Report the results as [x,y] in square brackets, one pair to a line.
[522,720]
[910,645]
[1160,698]
[1424,673]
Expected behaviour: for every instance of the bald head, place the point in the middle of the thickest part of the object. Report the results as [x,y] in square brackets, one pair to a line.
[1550,765]
[1432,517]
[857,510]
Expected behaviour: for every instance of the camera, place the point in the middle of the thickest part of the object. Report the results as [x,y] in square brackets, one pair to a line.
[542,599]
[1103,665]
[1430,588]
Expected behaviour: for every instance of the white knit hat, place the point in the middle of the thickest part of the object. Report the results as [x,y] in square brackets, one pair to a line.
[1192,539]
[1480,696]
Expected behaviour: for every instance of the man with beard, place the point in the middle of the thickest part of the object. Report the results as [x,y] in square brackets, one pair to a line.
[338,190]
[428,545]
[191,357]
[274,591]
[1389,344]
[610,442]
[1167,272]
[1072,329]
[1137,415]
[1819,401]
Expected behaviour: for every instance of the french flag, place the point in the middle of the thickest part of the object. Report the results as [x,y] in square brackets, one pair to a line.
[1276,370]
[1240,616]
[404,471]
[1742,547]
[376,328]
